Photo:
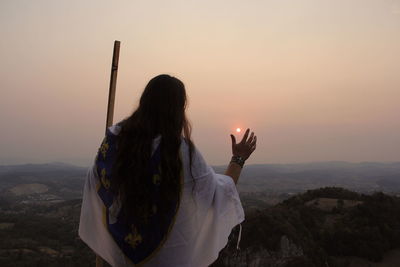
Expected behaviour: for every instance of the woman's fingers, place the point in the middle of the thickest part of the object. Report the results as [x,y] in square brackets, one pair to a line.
[250,138]
[248,143]
[253,144]
[254,141]
[253,148]
[233,140]
[246,134]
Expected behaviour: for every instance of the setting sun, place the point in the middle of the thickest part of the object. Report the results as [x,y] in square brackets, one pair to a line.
[238,130]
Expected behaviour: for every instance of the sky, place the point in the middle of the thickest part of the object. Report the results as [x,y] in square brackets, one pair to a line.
[317,80]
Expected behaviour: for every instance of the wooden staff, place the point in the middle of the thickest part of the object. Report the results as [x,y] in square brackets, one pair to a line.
[113,84]
[110,107]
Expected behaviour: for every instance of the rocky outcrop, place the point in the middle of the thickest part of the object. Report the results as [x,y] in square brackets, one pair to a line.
[255,257]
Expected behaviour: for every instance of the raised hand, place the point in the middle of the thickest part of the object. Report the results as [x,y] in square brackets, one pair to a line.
[246,146]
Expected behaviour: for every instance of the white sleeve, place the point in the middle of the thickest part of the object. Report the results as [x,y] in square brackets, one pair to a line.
[210,207]
[91,228]
[219,210]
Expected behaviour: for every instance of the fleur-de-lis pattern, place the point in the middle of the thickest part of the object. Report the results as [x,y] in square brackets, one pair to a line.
[104,180]
[134,238]
[156,179]
[104,147]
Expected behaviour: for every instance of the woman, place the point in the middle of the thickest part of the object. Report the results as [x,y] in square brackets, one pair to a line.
[150,199]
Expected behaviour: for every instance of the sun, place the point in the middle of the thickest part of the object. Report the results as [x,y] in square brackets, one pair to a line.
[238,130]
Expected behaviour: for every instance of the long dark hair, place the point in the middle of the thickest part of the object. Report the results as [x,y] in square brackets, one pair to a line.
[161,111]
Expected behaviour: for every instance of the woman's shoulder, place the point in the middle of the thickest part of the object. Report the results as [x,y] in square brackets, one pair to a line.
[198,165]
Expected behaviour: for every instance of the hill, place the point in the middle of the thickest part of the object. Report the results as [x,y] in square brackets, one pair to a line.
[298,232]
[295,232]
[41,183]
[286,224]
[37,235]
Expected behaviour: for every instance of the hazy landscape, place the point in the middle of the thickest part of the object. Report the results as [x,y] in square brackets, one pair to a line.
[286,221]
[316,81]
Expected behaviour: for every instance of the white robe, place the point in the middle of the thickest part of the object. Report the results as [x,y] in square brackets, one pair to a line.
[204,220]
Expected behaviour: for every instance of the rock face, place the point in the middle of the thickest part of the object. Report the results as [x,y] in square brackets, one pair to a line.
[251,257]
[28,189]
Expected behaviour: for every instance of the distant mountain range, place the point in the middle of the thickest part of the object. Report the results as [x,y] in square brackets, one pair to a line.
[39,168]
[294,178]
[272,182]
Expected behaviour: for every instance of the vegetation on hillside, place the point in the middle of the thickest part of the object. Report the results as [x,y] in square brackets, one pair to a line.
[46,235]
[42,236]
[366,230]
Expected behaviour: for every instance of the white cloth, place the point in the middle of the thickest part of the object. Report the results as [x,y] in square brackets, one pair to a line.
[210,207]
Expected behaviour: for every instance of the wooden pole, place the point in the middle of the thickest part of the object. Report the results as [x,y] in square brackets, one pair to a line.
[113,84]
[110,106]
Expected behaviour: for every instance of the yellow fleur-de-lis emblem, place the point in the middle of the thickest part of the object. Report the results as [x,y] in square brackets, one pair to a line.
[104,147]
[134,238]
[104,180]
[156,179]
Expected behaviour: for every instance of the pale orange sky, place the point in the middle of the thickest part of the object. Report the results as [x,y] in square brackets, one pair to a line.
[317,80]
